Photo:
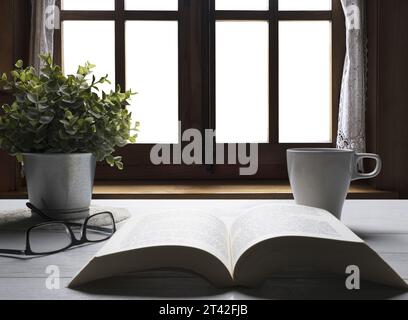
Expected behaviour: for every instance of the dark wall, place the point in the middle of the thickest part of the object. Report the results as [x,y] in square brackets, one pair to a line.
[14,45]
[388,90]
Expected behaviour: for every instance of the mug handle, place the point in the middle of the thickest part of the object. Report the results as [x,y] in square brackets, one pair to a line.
[360,156]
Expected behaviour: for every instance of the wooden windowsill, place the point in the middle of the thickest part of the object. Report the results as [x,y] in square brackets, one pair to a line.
[218,190]
[209,190]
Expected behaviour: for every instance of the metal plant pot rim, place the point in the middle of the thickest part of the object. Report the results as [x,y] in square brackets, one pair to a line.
[57,154]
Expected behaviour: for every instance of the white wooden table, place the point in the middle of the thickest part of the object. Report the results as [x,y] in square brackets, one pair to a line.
[382,224]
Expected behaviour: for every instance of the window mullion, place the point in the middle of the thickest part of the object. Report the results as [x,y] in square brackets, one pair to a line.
[273,72]
[120,50]
[58,40]
[209,107]
[212,62]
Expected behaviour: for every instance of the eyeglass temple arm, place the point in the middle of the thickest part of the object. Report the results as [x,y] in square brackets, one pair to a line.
[14,252]
[90,227]
[44,216]
[37,211]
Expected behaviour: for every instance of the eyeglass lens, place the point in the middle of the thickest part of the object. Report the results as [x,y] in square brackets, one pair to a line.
[53,237]
[49,238]
[100,227]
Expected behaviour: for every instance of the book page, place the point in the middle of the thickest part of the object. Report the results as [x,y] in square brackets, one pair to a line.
[193,229]
[274,221]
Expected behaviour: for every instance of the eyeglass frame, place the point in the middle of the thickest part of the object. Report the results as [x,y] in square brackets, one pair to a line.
[68,225]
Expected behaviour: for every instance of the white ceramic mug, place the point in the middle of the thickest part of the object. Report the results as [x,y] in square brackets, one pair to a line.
[321,177]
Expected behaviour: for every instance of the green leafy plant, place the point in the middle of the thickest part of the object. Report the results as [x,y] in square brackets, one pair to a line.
[54,113]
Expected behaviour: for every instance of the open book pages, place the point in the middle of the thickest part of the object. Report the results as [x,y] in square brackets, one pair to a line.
[190,228]
[240,251]
[204,231]
[267,222]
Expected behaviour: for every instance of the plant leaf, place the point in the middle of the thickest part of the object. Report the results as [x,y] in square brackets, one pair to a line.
[46,119]
[55,113]
[19,64]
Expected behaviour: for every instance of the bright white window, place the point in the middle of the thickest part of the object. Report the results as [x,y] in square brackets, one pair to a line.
[152,71]
[92,41]
[242,5]
[102,5]
[242,81]
[305,90]
[305,5]
[242,69]
[162,5]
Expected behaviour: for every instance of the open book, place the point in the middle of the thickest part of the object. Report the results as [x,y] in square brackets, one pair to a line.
[262,242]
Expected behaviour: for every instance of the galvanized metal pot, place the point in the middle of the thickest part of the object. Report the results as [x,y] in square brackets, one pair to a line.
[60,184]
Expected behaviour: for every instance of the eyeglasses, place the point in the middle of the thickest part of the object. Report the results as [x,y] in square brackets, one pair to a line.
[53,237]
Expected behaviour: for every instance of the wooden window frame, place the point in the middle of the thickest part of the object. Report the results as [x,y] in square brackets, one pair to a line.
[197,83]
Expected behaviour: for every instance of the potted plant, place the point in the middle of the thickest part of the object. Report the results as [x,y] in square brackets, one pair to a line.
[58,126]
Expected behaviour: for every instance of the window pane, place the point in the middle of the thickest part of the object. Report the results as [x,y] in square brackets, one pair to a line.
[171,5]
[242,4]
[242,78]
[305,92]
[88,5]
[92,41]
[298,5]
[152,71]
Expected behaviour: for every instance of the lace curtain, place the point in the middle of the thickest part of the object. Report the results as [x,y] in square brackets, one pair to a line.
[351,134]
[44,20]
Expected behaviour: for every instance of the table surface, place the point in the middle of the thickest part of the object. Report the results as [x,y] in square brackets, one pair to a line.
[382,224]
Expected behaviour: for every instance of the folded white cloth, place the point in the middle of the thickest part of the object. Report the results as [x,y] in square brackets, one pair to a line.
[23,218]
